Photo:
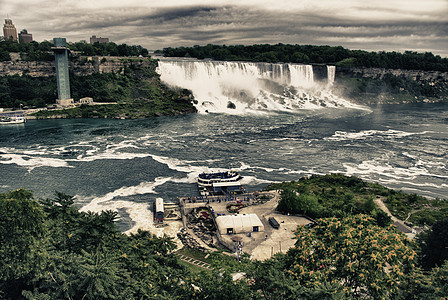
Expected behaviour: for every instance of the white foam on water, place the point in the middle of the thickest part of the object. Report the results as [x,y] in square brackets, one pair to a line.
[377,167]
[184,166]
[255,180]
[425,184]
[97,204]
[31,163]
[430,164]
[364,134]
[139,213]
[85,151]
[109,155]
[34,152]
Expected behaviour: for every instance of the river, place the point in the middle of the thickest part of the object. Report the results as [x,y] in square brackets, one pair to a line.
[124,165]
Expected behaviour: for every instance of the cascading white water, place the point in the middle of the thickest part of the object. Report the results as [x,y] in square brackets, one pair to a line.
[331,74]
[240,87]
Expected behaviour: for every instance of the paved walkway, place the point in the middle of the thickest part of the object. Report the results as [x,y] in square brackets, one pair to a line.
[401,226]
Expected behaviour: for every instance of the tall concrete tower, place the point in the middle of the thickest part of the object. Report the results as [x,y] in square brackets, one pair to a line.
[61,60]
[9,31]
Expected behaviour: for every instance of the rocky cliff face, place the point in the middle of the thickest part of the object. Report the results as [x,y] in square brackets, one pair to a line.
[378,73]
[376,85]
[90,65]
[32,68]
[83,66]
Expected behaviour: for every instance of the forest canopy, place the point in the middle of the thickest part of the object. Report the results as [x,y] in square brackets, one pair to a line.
[35,51]
[309,54]
[51,250]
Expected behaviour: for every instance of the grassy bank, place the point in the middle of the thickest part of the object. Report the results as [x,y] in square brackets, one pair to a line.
[337,195]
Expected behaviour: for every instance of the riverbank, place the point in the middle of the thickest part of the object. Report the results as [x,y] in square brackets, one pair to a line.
[259,245]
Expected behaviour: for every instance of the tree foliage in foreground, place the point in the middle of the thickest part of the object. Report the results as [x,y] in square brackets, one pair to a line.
[434,245]
[353,252]
[348,258]
[51,250]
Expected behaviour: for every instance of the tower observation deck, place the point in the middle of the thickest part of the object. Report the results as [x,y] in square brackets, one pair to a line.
[61,60]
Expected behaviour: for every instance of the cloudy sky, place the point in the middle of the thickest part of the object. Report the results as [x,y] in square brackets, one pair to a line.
[373,25]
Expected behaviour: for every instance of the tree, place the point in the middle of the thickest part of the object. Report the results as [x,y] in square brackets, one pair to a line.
[269,280]
[434,245]
[22,242]
[353,252]
[308,204]
[219,286]
[287,201]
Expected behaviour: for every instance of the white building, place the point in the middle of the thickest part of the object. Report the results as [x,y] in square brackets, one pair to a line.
[86,100]
[243,223]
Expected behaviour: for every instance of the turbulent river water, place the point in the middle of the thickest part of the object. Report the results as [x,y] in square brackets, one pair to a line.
[124,165]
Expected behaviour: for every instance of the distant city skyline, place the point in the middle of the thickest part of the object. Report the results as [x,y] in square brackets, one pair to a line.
[392,25]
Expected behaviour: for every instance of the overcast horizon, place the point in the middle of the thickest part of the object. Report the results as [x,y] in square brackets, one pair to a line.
[393,25]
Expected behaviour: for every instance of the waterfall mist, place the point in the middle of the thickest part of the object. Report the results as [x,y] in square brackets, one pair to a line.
[241,87]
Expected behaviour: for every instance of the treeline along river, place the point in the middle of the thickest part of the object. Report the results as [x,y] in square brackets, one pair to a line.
[124,165]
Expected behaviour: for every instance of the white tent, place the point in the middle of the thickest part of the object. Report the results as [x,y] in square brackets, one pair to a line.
[244,223]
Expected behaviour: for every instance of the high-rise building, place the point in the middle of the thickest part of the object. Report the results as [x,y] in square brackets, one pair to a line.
[9,31]
[61,60]
[100,40]
[25,37]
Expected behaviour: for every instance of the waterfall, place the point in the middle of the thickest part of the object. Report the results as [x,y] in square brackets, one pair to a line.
[241,87]
[331,74]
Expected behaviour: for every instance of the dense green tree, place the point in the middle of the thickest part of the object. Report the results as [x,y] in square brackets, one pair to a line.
[4,55]
[434,245]
[338,195]
[219,286]
[287,201]
[353,252]
[22,242]
[106,49]
[50,250]
[271,280]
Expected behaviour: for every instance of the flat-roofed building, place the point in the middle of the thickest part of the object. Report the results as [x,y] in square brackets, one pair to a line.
[25,37]
[86,100]
[100,40]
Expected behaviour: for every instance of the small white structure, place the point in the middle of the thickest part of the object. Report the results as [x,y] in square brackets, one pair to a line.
[86,100]
[65,102]
[244,223]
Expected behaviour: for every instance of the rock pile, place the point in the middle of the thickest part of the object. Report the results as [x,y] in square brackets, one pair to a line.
[189,241]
